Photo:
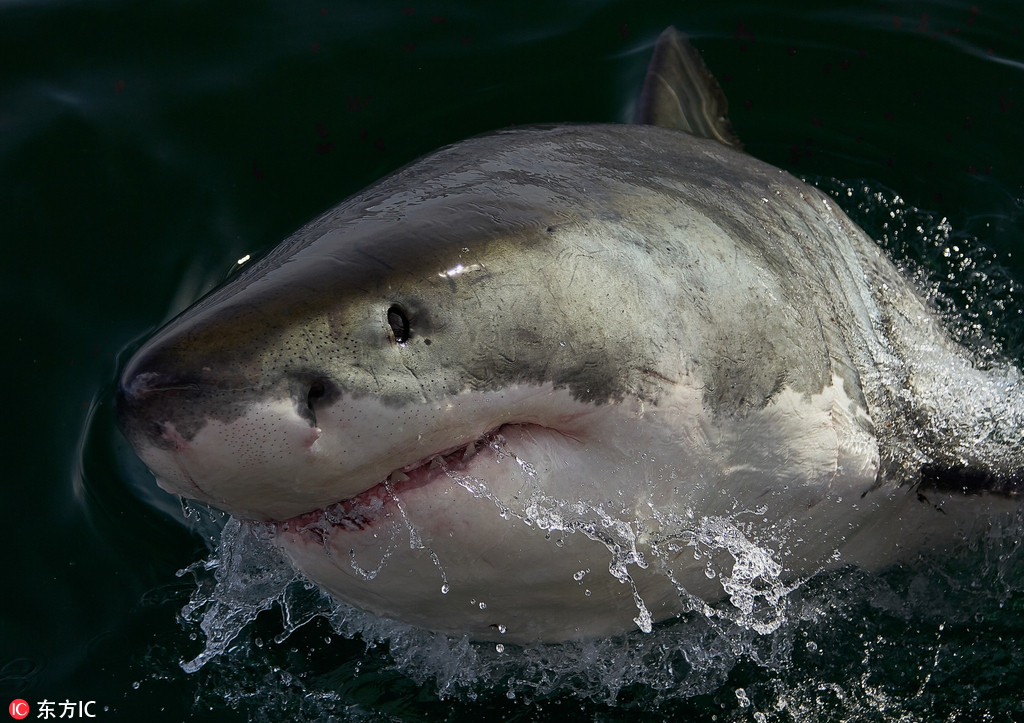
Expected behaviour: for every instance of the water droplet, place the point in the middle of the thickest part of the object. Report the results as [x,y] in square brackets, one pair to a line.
[644,621]
[483,606]
[741,698]
[500,648]
[445,589]
[587,593]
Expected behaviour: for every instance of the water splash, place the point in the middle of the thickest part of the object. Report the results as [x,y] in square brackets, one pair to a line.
[751,581]
[751,576]
[966,280]
[243,578]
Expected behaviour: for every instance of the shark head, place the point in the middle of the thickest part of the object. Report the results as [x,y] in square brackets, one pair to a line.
[403,387]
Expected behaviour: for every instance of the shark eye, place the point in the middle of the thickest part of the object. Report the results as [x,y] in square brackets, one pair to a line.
[399,323]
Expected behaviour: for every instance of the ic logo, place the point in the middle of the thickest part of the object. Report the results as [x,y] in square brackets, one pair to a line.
[19,709]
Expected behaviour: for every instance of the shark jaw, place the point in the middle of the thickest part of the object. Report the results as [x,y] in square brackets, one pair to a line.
[480,541]
[364,509]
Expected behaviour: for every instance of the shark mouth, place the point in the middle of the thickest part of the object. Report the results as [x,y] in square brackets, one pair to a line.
[362,511]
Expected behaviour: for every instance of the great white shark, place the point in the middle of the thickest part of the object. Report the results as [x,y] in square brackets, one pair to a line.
[558,381]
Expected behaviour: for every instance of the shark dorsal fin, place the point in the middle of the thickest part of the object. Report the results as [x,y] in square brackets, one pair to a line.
[679,92]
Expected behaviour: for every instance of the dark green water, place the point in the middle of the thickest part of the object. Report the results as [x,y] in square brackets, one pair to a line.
[146,146]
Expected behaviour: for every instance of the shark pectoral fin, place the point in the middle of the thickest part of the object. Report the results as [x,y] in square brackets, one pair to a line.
[679,92]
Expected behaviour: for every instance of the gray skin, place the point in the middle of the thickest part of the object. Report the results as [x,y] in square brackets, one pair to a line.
[583,300]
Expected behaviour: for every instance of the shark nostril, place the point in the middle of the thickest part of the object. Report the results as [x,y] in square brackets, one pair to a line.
[317,391]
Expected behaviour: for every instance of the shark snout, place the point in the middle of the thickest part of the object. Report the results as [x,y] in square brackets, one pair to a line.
[224,439]
[152,398]
[152,408]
